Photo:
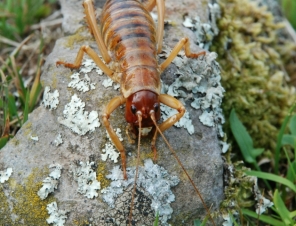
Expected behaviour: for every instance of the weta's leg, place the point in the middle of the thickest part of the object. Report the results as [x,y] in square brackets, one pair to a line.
[92,23]
[89,51]
[112,105]
[149,5]
[175,104]
[183,42]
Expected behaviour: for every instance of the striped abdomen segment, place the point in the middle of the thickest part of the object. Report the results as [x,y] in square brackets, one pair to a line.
[129,34]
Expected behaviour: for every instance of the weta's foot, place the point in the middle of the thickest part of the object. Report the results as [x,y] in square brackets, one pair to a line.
[123,162]
[124,174]
[58,63]
[154,152]
[68,65]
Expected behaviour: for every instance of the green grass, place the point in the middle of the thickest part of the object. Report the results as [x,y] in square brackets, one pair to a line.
[16,17]
[283,189]
[16,107]
[289,8]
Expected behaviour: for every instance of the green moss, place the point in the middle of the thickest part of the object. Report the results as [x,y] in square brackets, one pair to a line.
[253,74]
[239,190]
[28,208]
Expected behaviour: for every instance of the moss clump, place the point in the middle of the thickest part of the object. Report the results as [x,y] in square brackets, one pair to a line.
[27,205]
[253,75]
[239,190]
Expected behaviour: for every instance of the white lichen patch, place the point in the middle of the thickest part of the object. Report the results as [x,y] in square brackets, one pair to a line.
[262,202]
[184,122]
[78,120]
[88,65]
[5,174]
[118,133]
[153,178]
[198,82]
[110,150]
[56,217]
[109,82]
[51,182]
[225,146]
[227,220]
[58,140]
[204,32]
[86,179]
[35,138]
[50,100]
[81,84]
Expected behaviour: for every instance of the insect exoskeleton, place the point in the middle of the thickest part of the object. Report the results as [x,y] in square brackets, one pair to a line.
[129,43]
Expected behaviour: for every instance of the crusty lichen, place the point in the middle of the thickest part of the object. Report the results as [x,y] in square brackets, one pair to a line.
[76,38]
[253,77]
[101,175]
[24,204]
[81,222]
[5,218]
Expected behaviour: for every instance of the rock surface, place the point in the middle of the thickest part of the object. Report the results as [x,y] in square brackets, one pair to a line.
[30,158]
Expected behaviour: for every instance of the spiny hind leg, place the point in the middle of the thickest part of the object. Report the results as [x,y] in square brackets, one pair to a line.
[169,122]
[112,105]
[93,55]
[149,5]
[184,42]
[90,17]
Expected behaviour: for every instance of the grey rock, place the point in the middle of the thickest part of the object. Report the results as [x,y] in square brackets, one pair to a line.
[199,152]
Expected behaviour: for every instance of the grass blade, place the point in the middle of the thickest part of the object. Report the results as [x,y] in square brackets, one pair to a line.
[279,140]
[292,125]
[288,139]
[272,177]
[197,222]
[263,218]
[281,208]
[242,137]
[156,219]
[26,111]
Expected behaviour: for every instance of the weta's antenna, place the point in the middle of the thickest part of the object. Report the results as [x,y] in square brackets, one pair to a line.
[139,115]
[152,115]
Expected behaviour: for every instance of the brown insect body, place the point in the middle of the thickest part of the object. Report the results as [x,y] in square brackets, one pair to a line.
[129,34]
[129,43]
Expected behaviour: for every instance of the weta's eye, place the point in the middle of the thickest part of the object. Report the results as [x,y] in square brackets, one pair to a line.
[156,107]
[133,109]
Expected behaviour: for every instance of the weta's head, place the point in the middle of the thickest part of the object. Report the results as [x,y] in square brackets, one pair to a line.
[143,102]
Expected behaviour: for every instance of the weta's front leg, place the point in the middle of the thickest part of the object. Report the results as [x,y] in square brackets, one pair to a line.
[175,104]
[112,105]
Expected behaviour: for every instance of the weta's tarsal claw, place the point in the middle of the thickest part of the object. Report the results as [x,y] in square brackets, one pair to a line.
[124,174]
[154,153]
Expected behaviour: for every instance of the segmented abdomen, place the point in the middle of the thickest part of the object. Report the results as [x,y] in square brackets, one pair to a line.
[129,34]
